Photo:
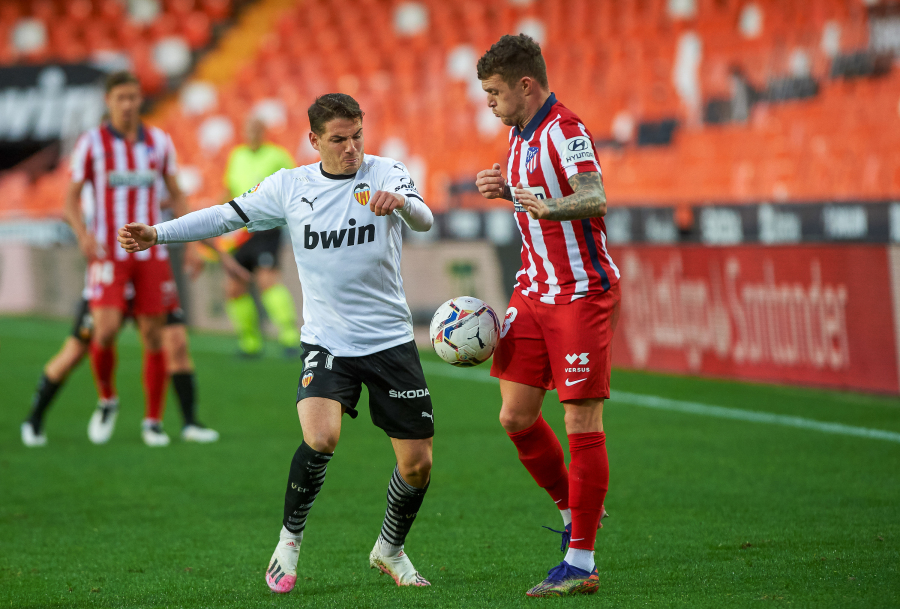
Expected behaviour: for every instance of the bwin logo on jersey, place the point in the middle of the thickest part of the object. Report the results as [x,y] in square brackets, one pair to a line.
[408,394]
[334,239]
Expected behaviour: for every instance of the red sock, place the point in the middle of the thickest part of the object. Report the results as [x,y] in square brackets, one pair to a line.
[103,363]
[542,455]
[588,479]
[155,378]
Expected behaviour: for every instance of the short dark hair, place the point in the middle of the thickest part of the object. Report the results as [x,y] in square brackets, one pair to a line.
[330,106]
[123,77]
[512,58]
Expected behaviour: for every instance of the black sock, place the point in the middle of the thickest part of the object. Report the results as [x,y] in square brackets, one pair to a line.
[304,483]
[403,503]
[185,388]
[43,395]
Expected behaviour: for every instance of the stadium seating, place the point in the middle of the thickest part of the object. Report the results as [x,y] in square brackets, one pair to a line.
[629,62]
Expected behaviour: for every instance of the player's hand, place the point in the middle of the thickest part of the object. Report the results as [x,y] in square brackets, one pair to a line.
[383,203]
[136,237]
[233,268]
[90,247]
[536,208]
[491,183]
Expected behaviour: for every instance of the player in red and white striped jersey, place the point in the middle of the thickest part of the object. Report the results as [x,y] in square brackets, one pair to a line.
[123,160]
[559,324]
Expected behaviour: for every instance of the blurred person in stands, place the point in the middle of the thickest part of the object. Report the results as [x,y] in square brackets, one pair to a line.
[123,160]
[558,327]
[247,256]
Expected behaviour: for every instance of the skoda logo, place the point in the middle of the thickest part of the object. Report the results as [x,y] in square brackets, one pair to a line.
[577,145]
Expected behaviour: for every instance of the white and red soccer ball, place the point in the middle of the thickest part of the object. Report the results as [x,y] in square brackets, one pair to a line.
[465,331]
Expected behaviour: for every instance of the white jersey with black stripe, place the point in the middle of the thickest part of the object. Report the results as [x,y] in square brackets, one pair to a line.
[347,257]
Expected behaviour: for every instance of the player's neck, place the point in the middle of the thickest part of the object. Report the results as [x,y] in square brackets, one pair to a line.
[127,130]
[533,104]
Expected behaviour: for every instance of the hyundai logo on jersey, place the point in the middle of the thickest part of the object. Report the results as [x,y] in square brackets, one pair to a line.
[531,159]
[334,239]
[361,193]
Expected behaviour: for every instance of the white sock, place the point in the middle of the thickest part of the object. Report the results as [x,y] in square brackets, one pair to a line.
[583,559]
[566,516]
[285,534]
[388,549]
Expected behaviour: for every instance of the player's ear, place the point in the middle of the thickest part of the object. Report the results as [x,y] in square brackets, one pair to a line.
[526,85]
[314,140]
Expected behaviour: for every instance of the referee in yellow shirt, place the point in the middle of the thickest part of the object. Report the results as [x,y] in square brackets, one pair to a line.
[248,165]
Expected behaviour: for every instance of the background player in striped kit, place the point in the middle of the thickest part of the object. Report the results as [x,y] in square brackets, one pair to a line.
[558,328]
[123,160]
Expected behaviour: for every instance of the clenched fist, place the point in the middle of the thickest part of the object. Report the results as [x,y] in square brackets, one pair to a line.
[136,237]
[490,183]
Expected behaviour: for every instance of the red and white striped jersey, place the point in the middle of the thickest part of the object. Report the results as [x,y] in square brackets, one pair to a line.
[561,261]
[125,177]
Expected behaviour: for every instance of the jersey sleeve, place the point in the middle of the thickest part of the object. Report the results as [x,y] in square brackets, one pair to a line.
[573,147]
[80,166]
[395,178]
[262,207]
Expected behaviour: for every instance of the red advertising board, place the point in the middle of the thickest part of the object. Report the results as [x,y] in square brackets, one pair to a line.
[816,315]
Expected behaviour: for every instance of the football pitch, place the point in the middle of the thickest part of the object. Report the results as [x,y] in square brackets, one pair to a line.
[722,494]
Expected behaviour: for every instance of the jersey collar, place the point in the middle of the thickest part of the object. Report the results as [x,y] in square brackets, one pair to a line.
[116,134]
[536,121]
[336,176]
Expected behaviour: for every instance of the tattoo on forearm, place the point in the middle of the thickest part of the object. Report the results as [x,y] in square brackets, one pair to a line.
[588,201]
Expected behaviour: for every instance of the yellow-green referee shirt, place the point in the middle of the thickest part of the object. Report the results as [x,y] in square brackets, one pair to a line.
[247,168]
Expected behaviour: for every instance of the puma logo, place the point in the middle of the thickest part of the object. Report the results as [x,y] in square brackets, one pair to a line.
[305,200]
[425,414]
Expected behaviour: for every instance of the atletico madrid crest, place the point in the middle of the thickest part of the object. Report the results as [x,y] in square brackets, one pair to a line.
[361,193]
[531,158]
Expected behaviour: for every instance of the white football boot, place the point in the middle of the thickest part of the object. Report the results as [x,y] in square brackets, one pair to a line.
[281,575]
[103,421]
[398,567]
[153,434]
[30,437]
[201,435]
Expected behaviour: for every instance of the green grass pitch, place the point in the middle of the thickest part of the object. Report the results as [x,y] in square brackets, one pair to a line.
[705,512]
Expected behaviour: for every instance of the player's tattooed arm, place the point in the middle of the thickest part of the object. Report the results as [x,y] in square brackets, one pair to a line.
[588,200]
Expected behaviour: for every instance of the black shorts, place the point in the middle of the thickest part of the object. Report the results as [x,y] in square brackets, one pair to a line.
[83,328]
[260,251]
[399,401]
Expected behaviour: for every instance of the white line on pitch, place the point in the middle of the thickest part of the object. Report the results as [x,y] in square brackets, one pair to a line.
[660,403]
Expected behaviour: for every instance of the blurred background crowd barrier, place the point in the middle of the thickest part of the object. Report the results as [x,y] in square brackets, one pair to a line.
[750,149]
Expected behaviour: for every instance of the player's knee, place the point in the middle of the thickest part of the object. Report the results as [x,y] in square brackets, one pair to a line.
[417,473]
[323,441]
[513,420]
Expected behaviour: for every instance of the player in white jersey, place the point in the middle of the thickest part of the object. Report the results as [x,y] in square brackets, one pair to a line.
[345,216]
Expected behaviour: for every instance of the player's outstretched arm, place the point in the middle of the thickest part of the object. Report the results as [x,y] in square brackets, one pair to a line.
[491,185]
[195,226]
[410,208]
[588,200]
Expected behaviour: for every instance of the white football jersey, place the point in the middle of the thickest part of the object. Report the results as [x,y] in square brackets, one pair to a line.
[348,258]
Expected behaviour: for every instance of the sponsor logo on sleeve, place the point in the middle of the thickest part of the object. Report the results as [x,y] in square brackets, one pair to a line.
[406,184]
[578,149]
[251,191]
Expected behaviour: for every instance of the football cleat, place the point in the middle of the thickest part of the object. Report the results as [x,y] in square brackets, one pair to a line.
[398,567]
[566,580]
[567,531]
[31,437]
[282,572]
[103,421]
[153,434]
[198,433]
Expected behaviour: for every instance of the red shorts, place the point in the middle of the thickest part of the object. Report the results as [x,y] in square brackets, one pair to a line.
[563,347]
[154,288]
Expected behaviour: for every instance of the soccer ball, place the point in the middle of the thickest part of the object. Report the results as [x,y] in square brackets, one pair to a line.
[464,331]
